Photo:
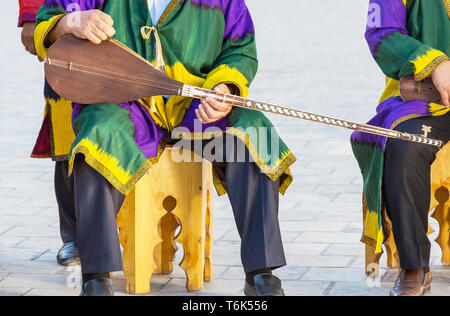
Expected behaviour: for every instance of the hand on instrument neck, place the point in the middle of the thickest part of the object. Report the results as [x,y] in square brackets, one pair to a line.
[93,25]
[441,79]
[210,110]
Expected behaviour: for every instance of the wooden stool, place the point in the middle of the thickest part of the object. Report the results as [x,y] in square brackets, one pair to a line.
[440,203]
[170,195]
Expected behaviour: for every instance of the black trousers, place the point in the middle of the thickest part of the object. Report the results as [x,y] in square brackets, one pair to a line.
[88,205]
[406,187]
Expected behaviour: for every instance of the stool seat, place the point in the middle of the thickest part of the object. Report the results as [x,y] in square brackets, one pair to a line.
[173,196]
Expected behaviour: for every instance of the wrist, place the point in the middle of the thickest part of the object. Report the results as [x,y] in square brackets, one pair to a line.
[441,66]
[26,18]
[59,30]
[28,23]
[63,27]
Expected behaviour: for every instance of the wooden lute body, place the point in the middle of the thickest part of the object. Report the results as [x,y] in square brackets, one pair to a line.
[411,90]
[109,72]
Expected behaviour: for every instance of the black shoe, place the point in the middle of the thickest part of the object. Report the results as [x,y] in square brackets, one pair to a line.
[68,255]
[266,284]
[97,287]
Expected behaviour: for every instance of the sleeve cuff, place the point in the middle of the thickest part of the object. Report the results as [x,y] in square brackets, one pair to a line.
[229,76]
[426,64]
[234,90]
[41,32]
[26,17]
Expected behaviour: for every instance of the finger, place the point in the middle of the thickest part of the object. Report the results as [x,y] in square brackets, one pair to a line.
[106,18]
[24,41]
[201,117]
[81,35]
[445,95]
[31,49]
[198,115]
[99,33]
[204,117]
[219,106]
[105,28]
[222,89]
[92,37]
[210,112]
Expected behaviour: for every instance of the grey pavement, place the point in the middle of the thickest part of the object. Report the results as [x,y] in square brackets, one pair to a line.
[313,57]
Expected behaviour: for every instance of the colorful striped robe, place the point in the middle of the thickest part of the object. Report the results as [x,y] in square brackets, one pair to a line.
[406,38]
[205,43]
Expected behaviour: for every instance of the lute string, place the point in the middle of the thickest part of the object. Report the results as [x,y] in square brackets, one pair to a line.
[110,74]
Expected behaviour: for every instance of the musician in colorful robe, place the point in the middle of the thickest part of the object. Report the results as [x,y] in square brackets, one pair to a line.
[206,43]
[406,38]
[54,140]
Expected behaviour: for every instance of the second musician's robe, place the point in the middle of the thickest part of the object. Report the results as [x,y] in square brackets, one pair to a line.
[406,38]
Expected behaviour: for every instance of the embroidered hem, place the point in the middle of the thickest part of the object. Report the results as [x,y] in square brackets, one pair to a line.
[430,68]
[272,172]
[125,189]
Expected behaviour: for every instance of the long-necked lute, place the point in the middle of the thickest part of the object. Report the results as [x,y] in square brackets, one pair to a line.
[110,72]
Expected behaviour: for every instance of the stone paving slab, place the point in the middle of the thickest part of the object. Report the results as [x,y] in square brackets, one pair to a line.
[312,56]
[4,291]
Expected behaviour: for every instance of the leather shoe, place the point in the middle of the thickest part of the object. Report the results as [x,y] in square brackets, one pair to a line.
[266,284]
[68,255]
[97,287]
[412,283]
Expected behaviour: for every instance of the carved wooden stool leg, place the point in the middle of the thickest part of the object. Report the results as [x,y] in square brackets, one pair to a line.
[393,260]
[192,237]
[442,215]
[139,235]
[372,261]
[207,187]
[191,211]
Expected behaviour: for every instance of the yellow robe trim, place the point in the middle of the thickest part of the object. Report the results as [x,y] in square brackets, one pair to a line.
[427,63]
[169,115]
[225,74]
[282,166]
[438,109]
[91,150]
[391,90]
[108,167]
[41,32]
[370,229]
[380,242]
[372,235]
[447,6]
[61,126]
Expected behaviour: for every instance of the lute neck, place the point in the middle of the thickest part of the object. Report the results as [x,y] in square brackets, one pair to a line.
[200,93]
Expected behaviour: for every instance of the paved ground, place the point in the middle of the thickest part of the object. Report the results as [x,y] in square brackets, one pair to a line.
[312,56]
